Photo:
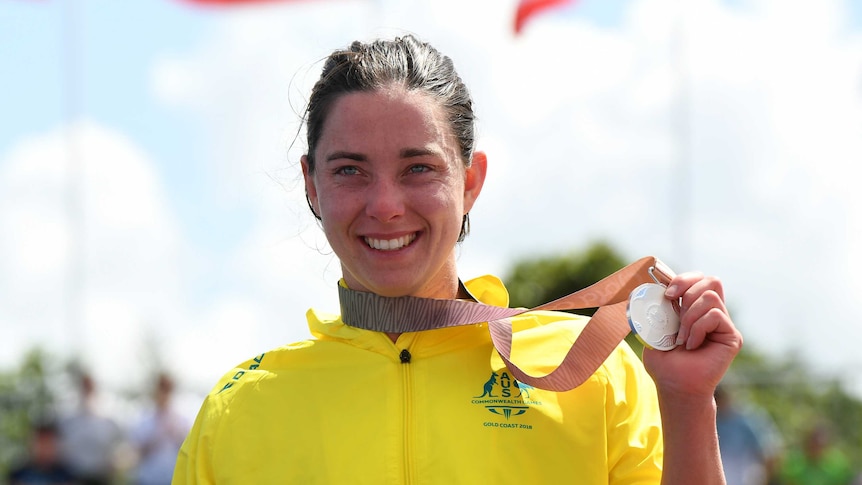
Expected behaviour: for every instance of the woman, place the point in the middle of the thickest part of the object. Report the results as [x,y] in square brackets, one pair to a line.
[391,173]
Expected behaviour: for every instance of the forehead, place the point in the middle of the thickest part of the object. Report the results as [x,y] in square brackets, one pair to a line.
[384,117]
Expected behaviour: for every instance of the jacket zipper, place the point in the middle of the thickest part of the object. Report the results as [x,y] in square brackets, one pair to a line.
[405,358]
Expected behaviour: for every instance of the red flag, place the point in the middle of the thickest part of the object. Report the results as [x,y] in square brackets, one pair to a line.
[528,8]
[228,2]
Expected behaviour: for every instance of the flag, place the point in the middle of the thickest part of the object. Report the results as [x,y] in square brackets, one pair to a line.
[528,8]
[228,2]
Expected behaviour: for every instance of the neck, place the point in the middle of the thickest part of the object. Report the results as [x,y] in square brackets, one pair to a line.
[461,293]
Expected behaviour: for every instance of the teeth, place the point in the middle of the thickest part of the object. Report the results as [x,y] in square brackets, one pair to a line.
[390,244]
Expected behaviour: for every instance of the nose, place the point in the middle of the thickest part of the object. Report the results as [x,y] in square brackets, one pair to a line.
[385,201]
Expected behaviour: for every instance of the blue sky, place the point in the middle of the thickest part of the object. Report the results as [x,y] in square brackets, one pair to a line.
[196,234]
[117,44]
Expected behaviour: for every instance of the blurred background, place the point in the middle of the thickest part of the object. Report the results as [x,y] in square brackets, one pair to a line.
[153,224]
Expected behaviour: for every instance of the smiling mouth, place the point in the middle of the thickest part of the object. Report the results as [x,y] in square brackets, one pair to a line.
[390,244]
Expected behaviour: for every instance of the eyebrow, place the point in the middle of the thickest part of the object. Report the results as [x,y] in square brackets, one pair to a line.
[405,153]
[348,155]
[418,152]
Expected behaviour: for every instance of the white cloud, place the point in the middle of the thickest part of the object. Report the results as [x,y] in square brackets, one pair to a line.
[125,241]
[578,123]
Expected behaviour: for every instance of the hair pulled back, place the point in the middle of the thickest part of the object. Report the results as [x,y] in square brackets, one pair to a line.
[402,61]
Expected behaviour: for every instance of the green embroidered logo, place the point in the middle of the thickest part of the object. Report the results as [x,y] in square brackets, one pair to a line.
[236,377]
[504,396]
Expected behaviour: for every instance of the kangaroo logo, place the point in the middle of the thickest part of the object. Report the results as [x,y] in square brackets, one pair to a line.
[489,386]
[524,389]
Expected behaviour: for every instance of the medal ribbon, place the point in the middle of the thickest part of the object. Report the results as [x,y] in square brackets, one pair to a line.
[605,330]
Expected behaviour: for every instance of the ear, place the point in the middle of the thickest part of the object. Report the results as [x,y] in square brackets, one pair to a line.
[474,179]
[310,188]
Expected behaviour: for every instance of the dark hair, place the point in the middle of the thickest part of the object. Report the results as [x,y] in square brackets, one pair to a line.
[45,425]
[164,383]
[404,61]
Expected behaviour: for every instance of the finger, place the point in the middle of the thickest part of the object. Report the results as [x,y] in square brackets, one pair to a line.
[687,290]
[709,325]
[685,282]
[706,318]
[699,299]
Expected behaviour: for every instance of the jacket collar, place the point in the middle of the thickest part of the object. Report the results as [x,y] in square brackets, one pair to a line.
[486,289]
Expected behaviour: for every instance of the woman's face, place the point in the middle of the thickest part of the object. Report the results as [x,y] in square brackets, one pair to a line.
[391,192]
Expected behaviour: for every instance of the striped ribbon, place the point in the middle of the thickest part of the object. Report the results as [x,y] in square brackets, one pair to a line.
[605,330]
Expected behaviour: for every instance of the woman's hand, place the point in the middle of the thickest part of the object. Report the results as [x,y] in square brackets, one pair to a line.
[686,378]
[708,339]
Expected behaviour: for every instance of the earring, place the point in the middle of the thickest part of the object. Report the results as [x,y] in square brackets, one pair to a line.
[465,227]
[311,207]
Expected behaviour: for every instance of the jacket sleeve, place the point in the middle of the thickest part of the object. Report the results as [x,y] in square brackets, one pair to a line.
[194,463]
[635,447]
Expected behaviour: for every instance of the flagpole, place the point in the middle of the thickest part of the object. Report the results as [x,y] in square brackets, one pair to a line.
[681,194]
[74,285]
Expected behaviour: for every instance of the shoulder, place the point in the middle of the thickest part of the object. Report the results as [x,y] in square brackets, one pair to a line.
[256,387]
[259,373]
[552,329]
[554,333]
[260,367]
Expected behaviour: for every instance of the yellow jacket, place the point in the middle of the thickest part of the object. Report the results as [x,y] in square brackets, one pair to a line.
[436,407]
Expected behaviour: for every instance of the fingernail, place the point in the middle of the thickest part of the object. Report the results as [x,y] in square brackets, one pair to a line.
[681,336]
[670,292]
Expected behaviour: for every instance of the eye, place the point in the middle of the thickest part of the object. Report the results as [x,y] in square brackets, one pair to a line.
[419,168]
[347,170]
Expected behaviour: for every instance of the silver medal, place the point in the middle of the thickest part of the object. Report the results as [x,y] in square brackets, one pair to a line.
[652,317]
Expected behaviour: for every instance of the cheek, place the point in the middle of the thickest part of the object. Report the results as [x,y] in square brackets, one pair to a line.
[453,198]
[337,214]
[331,201]
[333,214]
[447,207]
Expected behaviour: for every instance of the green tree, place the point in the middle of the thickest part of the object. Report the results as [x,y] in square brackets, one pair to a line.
[26,397]
[797,398]
[538,280]
[534,281]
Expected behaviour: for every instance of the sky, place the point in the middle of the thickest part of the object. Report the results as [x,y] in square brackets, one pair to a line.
[151,210]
